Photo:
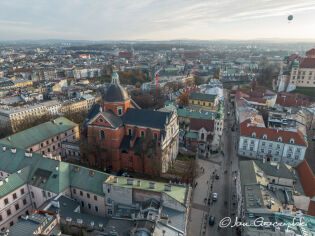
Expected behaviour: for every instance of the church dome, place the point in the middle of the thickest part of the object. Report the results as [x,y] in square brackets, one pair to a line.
[115,92]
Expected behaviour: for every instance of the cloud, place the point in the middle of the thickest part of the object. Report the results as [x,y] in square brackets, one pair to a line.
[125,19]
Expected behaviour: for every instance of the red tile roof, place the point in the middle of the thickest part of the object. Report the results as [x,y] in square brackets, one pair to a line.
[247,128]
[308,63]
[292,100]
[310,52]
[307,178]
[252,99]
[197,124]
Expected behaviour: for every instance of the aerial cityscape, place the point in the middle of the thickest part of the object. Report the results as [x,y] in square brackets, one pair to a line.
[145,124]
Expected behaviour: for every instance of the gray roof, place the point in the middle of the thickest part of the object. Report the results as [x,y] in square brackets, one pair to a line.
[115,121]
[202,96]
[271,170]
[115,93]
[147,118]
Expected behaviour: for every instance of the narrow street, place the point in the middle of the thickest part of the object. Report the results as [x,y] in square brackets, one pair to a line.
[225,165]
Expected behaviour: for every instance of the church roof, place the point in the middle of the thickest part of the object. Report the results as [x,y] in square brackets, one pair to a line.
[115,92]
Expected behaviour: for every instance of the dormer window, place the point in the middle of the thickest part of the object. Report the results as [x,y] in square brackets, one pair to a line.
[279,139]
[265,136]
[119,111]
[142,133]
[291,140]
[254,135]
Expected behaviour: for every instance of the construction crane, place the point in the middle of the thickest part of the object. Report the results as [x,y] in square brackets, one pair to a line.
[157,76]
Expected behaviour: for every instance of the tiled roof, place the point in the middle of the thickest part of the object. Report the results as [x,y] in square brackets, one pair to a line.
[307,178]
[202,97]
[246,129]
[310,52]
[308,63]
[197,124]
[39,133]
[146,118]
[291,100]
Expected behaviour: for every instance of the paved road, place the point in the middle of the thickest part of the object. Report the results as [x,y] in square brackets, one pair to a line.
[225,166]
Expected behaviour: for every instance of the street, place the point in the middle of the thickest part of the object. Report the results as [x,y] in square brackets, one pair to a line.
[225,165]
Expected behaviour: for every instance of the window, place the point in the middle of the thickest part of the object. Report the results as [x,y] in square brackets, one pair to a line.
[49,195]
[95,197]
[66,134]
[52,140]
[54,147]
[11,223]
[298,150]
[31,149]
[251,148]
[82,203]
[8,212]
[252,142]
[278,146]
[41,144]
[57,137]
[74,191]
[244,147]
[254,135]
[22,191]
[269,151]
[265,136]
[119,111]
[17,206]
[270,145]
[47,142]
[262,150]
[88,195]
[109,212]
[263,144]
[89,205]
[24,201]
[6,201]
[202,136]
[43,153]
[96,208]
[0,217]
[129,132]
[81,194]
[142,133]
[14,196]
[155,135]
[58,144]
[292,140]
[72,130]
[102,134]
[48,150]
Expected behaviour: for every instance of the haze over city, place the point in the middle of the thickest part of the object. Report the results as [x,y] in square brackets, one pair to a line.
[156,20]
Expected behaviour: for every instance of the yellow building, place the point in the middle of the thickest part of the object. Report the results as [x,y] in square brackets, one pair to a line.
[75,105]
[203,101]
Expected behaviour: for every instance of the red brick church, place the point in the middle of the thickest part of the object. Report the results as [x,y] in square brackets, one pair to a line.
[121,135]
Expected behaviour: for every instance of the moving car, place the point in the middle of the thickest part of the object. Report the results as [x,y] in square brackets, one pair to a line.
[214,196]
[211,220]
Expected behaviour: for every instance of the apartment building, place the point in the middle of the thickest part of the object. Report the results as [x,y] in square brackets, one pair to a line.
[15,116]
[46,138]
[277,145]
[203,101]
[74,105]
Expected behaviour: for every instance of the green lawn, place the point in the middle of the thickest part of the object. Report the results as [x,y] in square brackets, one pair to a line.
[310,92]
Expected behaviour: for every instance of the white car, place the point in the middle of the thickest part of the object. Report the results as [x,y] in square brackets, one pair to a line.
[214,196]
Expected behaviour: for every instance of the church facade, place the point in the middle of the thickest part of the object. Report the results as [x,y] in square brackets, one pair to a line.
[121,135]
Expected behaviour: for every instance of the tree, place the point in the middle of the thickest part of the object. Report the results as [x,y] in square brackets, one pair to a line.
[183,99]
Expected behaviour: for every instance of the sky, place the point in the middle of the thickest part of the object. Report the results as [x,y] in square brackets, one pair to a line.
[156,19]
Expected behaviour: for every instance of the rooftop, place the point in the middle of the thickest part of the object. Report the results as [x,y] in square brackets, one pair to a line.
[178,192]
[29,137]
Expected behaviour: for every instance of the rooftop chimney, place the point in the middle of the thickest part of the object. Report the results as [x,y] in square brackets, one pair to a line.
[4,148]
[13,150]
[167,187]
[152,185]
[130,181]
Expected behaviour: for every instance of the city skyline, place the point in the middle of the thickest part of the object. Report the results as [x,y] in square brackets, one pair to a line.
[157,20]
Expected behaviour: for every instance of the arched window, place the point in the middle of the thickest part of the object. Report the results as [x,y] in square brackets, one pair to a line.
[292,140]
[279,139]
[265,136]
[119,111]
[254,135]
[102,134]
[142,133]
[202,136]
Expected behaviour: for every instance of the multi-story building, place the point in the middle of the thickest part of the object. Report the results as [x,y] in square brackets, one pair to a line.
[203,101]
[31,182]
[15,116]
[74,105]
[124,134]
[46,138]
[278,145]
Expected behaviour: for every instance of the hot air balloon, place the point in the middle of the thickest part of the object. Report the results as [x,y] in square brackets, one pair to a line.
[290,17]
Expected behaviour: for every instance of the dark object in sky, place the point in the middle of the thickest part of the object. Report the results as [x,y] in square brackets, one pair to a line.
[290,17]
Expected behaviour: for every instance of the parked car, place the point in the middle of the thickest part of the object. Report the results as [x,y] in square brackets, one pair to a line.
[217,176]
[214,196]
[211,220]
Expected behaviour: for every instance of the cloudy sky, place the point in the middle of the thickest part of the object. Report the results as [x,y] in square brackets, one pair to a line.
[156,19]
